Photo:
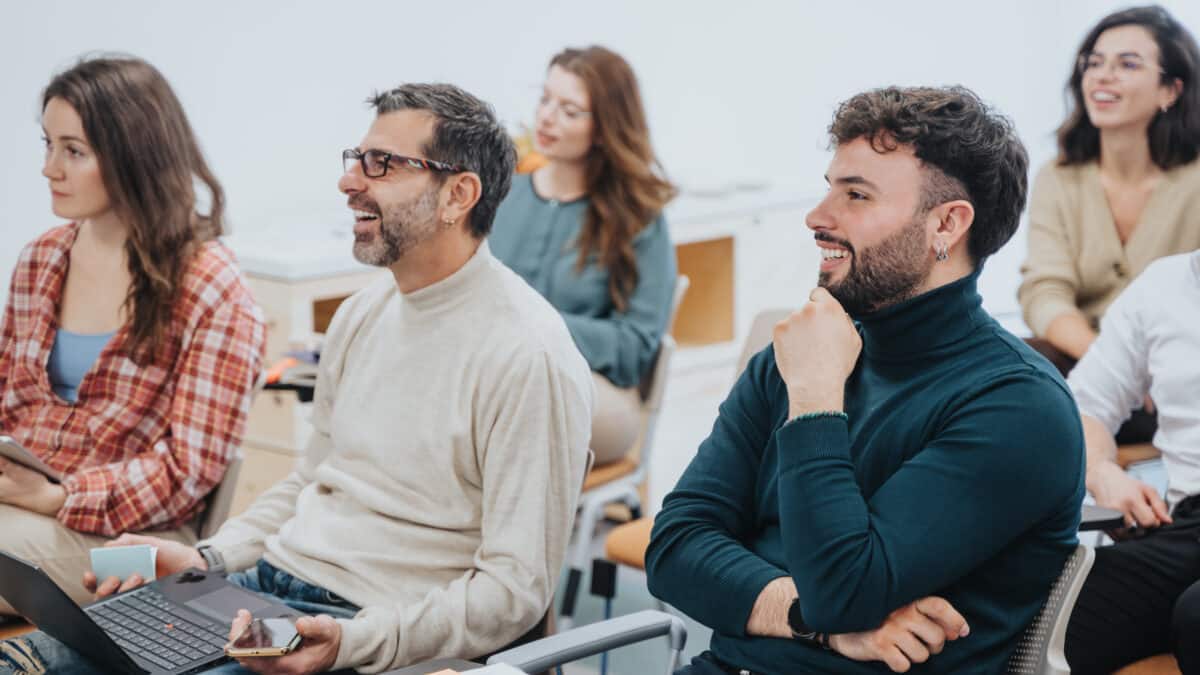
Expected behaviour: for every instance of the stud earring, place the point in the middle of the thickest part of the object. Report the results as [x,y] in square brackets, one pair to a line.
[1164,108]
[942,253]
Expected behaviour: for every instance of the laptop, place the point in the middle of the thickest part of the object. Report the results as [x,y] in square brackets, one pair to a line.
[178,624]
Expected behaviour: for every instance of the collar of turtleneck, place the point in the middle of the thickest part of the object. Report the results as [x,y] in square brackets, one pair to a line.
[925,323]
[455,286]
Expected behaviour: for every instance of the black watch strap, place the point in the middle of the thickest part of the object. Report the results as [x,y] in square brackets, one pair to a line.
[801,631]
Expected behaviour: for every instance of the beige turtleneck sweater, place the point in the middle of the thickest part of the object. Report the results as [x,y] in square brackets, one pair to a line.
[438,492]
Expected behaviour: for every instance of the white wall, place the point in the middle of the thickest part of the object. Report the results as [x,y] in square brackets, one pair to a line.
[735,90]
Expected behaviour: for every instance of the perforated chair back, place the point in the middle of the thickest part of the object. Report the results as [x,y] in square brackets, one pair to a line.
[1040,651]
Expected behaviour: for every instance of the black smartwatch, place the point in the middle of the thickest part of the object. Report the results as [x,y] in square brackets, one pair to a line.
[801,631]
[214,560]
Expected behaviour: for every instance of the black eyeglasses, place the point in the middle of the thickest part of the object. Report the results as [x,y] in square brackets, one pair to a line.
[375,163]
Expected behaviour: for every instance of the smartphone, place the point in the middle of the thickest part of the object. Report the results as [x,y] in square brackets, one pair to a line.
[265,637]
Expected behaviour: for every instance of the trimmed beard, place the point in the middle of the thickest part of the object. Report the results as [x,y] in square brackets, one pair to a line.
[401,228]
[884,274]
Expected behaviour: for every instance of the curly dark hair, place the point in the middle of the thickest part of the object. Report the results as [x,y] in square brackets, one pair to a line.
[466,133]
[968,151]
[1174,135]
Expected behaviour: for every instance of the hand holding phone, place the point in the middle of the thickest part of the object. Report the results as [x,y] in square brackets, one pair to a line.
[315,652]
[265,637]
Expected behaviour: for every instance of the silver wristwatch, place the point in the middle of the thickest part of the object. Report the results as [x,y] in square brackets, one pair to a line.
[212,558]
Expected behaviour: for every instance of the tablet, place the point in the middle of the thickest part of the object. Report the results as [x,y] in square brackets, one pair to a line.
[14,451]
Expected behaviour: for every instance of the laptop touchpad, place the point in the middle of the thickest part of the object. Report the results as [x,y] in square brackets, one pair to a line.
[225,602]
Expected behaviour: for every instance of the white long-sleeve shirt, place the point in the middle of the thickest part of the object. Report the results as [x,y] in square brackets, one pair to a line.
[438,492]
[1149,343]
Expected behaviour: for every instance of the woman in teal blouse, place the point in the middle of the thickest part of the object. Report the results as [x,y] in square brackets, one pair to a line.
[586,230]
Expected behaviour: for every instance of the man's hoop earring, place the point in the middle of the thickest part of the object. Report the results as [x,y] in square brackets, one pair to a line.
[942,253]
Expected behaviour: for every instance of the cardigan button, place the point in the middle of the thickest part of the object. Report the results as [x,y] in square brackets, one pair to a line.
[1121,270]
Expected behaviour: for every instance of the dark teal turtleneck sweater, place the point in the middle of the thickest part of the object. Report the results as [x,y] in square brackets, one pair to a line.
[959,473]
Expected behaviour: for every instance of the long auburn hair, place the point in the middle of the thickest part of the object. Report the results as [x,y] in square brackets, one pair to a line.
[1174,135]
[149,162]
[625,185]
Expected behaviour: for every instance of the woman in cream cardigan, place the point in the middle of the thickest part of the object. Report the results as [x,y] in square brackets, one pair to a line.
[1125,188]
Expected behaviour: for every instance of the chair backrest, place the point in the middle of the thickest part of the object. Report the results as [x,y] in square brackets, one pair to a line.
[588,463]
[1040,651]
[654,385]
[762,330]
[219,502]
[655,381]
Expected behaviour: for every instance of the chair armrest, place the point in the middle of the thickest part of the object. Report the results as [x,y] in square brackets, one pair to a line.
[594,638]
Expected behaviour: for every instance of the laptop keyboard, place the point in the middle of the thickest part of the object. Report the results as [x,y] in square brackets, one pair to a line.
[144,624]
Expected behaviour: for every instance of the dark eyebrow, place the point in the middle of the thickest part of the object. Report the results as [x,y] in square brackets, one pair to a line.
[853,180]
[1120,55]
[65,138]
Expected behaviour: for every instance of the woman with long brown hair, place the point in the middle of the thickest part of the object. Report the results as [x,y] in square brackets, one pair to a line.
[586,230]
[129,345]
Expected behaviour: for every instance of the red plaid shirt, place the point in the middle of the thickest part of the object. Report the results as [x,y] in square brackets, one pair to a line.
[143,445]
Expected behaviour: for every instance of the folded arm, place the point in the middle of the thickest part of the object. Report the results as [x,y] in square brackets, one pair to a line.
[987,475]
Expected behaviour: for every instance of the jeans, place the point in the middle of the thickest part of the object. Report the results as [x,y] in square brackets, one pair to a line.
[38,653]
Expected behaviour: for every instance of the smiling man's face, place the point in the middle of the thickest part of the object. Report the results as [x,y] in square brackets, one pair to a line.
[876,243]
[395,212]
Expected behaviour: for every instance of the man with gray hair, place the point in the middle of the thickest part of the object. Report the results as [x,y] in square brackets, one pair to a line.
[430,513]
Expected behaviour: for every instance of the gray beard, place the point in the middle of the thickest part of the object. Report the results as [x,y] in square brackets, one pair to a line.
[401,229]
